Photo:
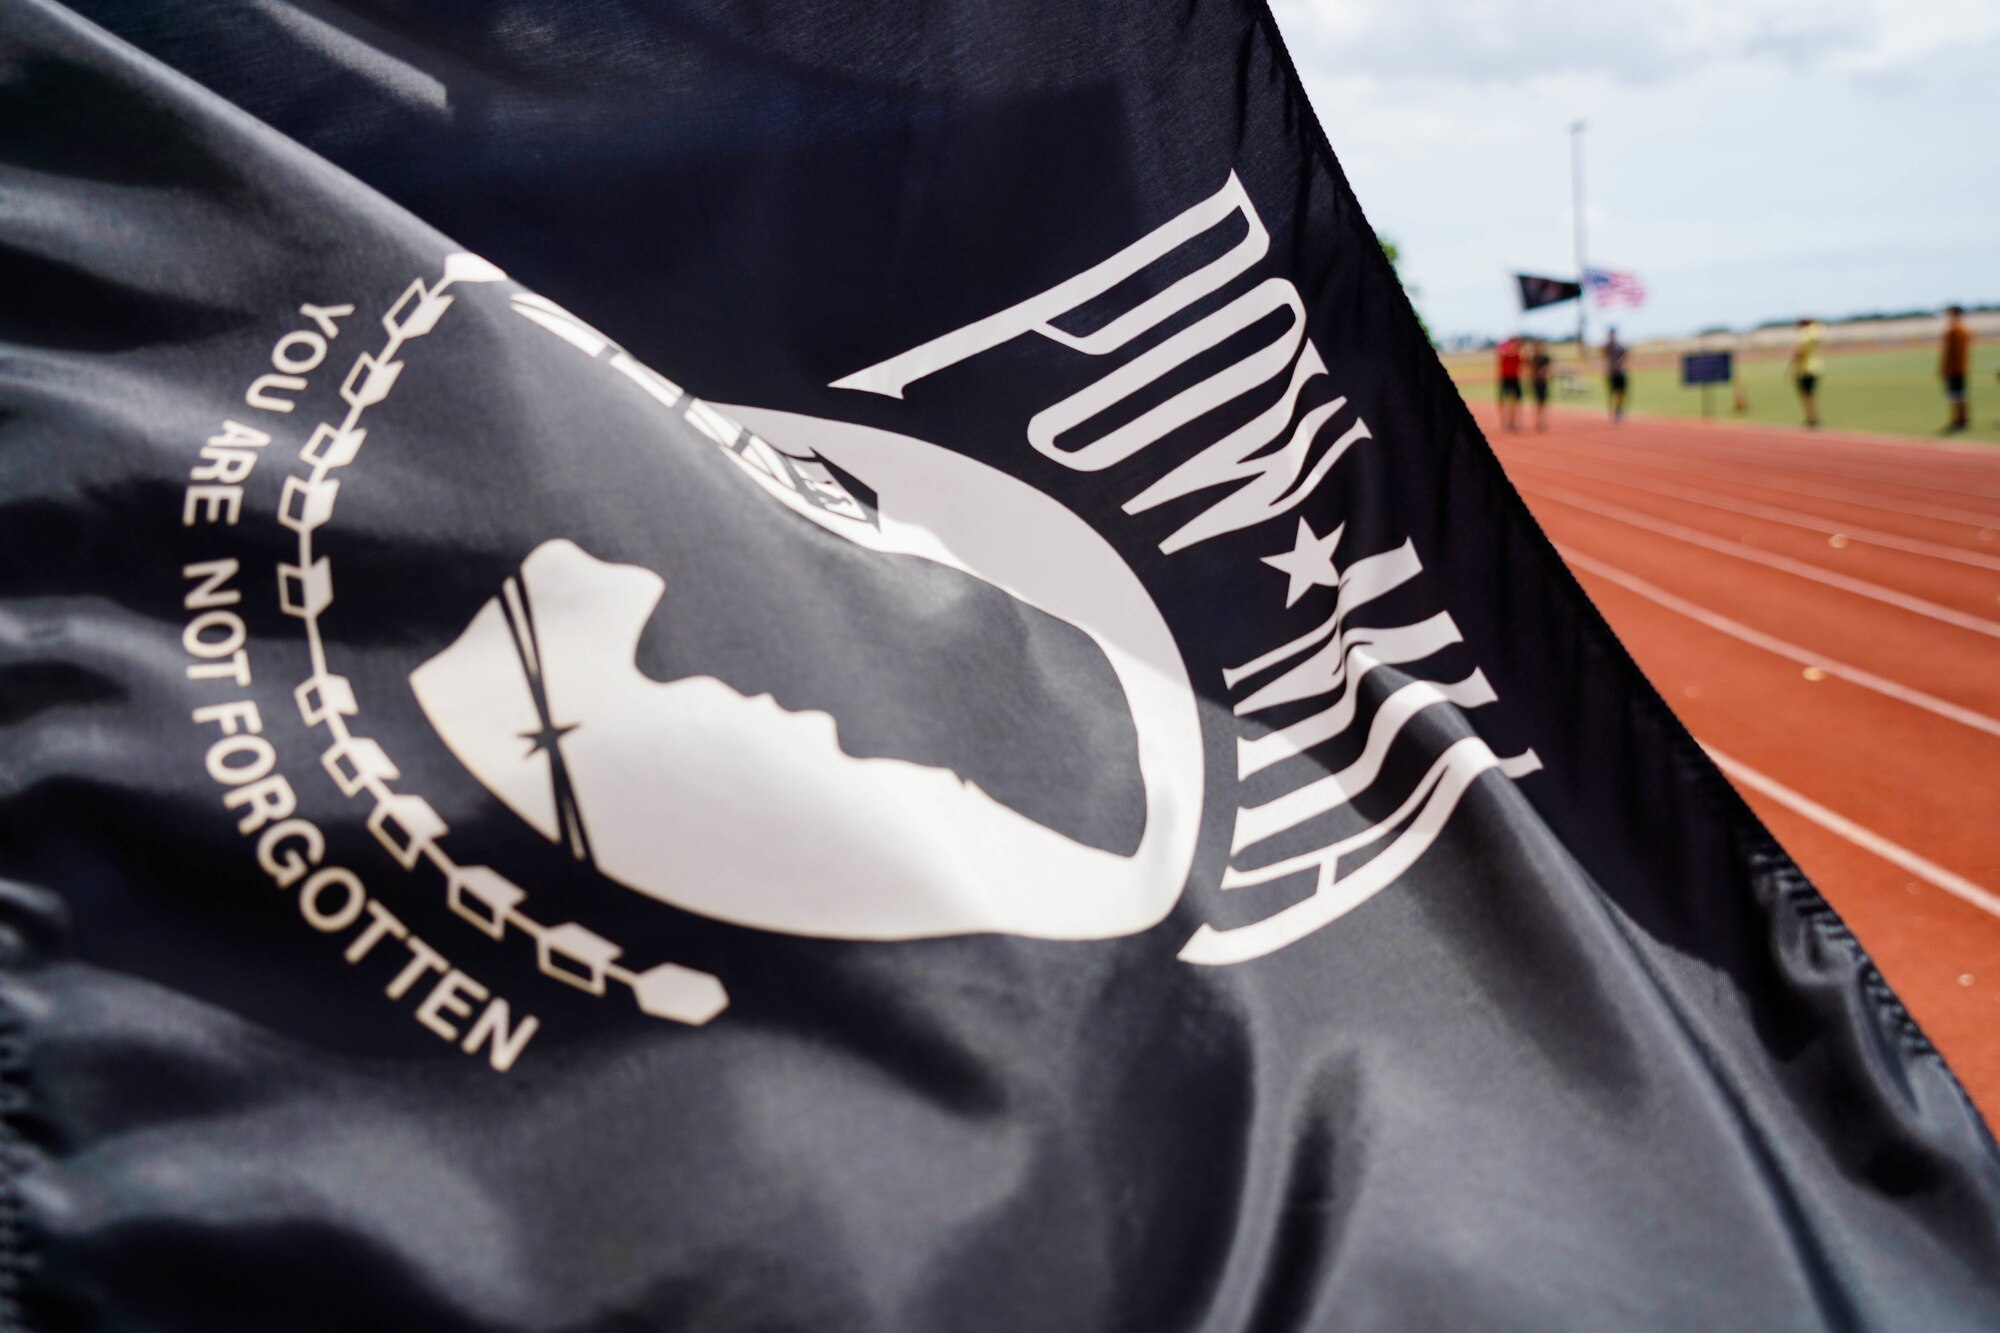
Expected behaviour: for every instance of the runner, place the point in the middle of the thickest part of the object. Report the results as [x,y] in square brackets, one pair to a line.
[1807,366]
[1510,383]
[1954,364]
[1615,377]
[1539,363]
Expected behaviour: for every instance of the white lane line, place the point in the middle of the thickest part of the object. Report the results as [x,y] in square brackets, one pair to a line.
[1867,680]
[1960,487]
[1629,457]
[1972,480]
[1936,457]
[1789,517]
[1816,438]
[1874,592]
[1958,886]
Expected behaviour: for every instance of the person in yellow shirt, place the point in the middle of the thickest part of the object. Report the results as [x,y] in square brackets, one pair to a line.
[1954,364]
[1807,366]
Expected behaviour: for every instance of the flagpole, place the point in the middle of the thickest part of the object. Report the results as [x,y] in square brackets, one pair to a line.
[1576,129]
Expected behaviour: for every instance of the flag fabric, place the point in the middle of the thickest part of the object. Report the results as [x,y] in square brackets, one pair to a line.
[1538,292]
[1613,288]
[747,666]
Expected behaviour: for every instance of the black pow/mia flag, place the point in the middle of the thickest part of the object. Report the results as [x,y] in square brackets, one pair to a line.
[747,666]
[1538,292]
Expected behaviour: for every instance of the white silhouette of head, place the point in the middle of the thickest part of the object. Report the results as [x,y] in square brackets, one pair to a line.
[738,809]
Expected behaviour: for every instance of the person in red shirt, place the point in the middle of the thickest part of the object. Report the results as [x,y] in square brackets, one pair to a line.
[1510,383]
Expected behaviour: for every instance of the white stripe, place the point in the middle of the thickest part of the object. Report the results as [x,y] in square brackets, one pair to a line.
[1799,568]
[1867,680]
[1816,439]
[1814,443]
[1360,583]
[561,323]
[663,390]
[1627,457]
[1890,473]
[1449,778]
[1958,886]
[1368,649]
[1789,517]
[1817,463]
[1254,823]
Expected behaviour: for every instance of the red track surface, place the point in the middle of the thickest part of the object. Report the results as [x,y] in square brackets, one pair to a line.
[1824,614]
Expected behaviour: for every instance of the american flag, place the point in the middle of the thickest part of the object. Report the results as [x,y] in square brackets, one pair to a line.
[1613,288]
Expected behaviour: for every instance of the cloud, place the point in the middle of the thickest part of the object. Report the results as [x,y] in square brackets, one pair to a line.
[1750,158]
[1966,64]
[1507,41]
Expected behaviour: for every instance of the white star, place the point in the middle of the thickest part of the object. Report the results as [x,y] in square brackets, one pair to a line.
[1309,562]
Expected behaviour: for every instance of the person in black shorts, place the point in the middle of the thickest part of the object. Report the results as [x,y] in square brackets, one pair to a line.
[1808,364]
[1539,365]
[1614,373]
[1955,365]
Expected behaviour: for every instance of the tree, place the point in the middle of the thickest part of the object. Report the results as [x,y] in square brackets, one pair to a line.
[1394,254]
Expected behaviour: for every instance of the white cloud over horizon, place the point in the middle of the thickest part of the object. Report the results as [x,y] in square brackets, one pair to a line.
[1750,160]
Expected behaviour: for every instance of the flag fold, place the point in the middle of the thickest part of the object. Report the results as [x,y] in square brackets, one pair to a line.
[744,666]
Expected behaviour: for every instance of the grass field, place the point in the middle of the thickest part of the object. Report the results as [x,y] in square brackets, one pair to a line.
[1891,391]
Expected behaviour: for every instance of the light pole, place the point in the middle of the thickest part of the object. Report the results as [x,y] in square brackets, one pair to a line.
[1576,129]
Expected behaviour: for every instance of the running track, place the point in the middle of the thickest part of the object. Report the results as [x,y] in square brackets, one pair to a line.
[1823,611]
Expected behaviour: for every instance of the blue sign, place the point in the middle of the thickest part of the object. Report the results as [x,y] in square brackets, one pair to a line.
[1708,367]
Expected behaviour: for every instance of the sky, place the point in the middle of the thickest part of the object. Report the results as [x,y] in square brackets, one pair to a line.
[1748,159]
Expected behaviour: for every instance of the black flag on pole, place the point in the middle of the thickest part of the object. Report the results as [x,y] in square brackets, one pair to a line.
[735,666]
[1538,292]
